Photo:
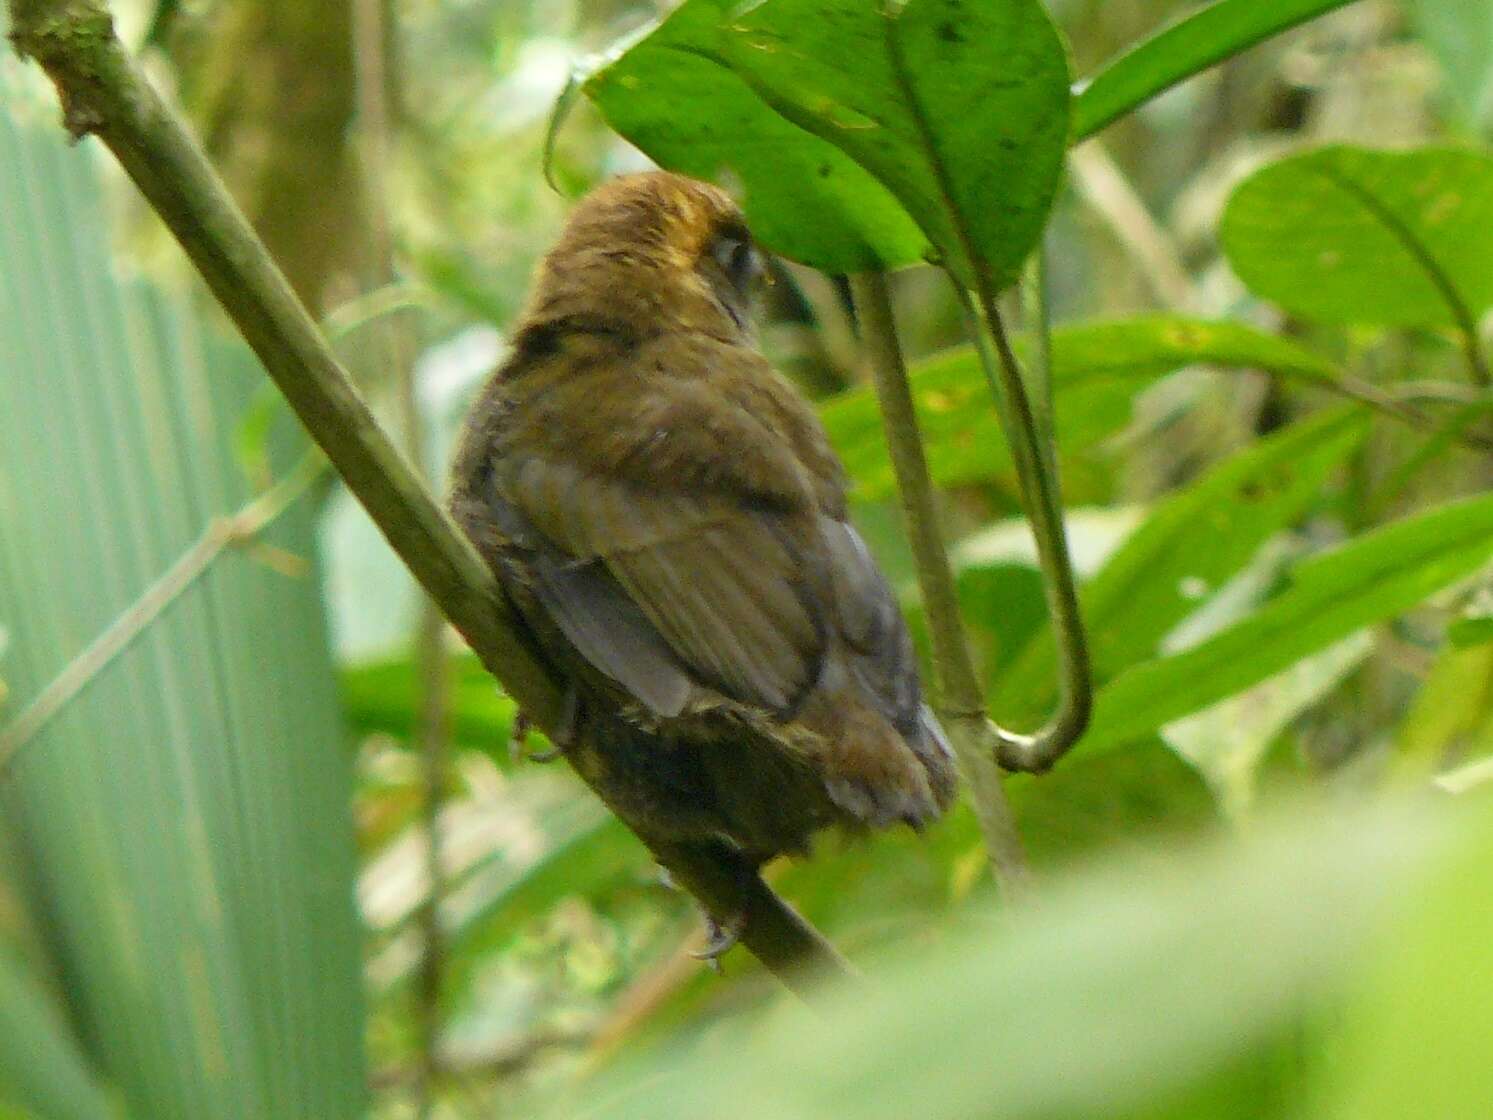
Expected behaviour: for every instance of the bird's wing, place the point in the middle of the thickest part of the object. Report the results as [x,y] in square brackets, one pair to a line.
[879,651]
[664,591]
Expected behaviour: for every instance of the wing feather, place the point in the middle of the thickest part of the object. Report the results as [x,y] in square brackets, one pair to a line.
[717,584]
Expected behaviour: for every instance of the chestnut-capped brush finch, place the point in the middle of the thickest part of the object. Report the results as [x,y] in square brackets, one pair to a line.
[668,520]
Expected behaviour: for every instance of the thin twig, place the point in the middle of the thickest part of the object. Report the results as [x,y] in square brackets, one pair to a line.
[370,57]
[493,1065]
[1440,392]
[1452,431]
[1100,182]
[103,93]
[962,701]
[1466,778]
[222,532]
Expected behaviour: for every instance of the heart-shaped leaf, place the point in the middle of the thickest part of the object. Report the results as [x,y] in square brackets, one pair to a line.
[671,94]
[960,109]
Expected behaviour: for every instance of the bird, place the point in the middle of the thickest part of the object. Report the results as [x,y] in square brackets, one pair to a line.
[669,524]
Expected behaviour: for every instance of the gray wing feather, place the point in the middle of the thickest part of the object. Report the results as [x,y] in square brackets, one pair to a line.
[610,632]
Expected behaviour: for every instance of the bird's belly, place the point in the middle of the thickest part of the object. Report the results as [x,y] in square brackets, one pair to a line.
[684,786]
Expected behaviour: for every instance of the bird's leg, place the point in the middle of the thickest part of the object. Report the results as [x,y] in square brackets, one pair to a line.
[723,933]
[562,737]
[732,895]
[721,937]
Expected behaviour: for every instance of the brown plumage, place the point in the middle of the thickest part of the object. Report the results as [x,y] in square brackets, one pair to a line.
[668,519]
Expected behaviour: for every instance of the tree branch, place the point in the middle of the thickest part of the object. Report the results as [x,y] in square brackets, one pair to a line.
[962,703]
[102,92]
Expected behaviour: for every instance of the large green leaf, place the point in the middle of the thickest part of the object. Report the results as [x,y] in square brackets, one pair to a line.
[1187,47]
[1366,580]
[961,110]
[182,821]
[1417,1038]
[1348,235]
[1120,991]
[1187,548]
[42,1070]
[672,95]
[1097,368]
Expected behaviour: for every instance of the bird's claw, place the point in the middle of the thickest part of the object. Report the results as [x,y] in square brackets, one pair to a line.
[720,937]
[563,735]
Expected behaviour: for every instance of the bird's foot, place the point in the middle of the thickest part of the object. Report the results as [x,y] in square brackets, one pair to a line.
[562,737]
[720,938]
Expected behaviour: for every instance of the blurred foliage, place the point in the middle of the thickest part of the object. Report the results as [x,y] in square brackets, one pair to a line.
[1274,451]
[176,860]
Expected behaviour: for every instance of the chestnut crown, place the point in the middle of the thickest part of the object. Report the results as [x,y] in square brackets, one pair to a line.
[652,252]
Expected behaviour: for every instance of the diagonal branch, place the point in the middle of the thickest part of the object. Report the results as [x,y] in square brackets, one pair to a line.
[103,93]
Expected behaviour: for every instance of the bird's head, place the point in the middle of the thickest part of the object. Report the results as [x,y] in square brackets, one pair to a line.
[657,252]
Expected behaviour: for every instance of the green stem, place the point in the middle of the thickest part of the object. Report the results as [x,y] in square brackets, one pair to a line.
[962,700]
[1036,471]
[103,93]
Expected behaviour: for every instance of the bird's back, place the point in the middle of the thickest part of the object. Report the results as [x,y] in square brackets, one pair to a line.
[670,520]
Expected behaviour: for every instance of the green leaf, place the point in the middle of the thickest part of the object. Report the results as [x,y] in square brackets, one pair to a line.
[1416,1043]
[672,95]
[1090,804]
[1347,235]
[42,1070]
[1123,988]
[1451,716]
[961,110]
[183,820]
[1471,631]
[1097,369]
[1368,579]
[1190,545]
[384,696]
[1187,47]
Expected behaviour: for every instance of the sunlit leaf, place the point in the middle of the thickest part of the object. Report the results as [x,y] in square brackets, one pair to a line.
[1348,235]
[1451,716]
[1417,1039]
[1119,991]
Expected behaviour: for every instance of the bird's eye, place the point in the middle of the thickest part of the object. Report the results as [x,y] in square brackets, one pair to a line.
[738,260]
